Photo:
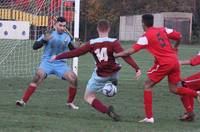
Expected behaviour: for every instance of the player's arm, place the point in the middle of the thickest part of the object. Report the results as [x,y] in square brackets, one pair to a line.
[39,44]
[174,35]
[141,43]
[184,62]
[193,61]
[74,53]
[127,58]
[43,40]
[124,53]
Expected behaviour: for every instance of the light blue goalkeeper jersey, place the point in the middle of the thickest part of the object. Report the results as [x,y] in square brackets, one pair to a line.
[58,44]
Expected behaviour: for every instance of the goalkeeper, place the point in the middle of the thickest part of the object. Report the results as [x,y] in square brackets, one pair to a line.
[54,42]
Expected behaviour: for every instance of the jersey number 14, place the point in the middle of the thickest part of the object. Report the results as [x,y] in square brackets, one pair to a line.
[101,54]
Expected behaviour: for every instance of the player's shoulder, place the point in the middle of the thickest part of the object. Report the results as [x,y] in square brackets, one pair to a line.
[142,40]
[101,40]
[52,31]
[168,30]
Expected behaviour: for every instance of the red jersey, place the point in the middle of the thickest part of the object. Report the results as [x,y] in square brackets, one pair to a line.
[102,50]
[156,41]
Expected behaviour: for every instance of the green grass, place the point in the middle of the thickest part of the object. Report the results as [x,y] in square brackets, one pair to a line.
[46,110]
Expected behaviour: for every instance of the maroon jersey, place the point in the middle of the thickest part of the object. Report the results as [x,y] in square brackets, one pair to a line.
[102,50]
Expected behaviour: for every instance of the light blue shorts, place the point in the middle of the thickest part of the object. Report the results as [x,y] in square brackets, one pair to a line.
[56,68]
[96,83]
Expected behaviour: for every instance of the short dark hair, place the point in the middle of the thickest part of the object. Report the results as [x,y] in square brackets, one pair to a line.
[103,25]
[60,19]
[147,19]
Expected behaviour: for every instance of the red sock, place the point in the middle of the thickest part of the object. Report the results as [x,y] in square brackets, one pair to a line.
[186,91]
[148,103]
[30,90]
[99,106]
[186,103]
[72,94]
[192,103]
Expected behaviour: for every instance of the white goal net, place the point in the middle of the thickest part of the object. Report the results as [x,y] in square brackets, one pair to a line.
[21,23]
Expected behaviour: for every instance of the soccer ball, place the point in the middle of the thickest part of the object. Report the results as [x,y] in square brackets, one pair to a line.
[109,90]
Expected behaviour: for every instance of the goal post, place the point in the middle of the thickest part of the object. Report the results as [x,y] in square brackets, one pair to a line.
[16,54]
[76,32]
[75,27]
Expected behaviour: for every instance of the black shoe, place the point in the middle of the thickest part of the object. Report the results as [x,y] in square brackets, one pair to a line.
[112,114]
[189,116]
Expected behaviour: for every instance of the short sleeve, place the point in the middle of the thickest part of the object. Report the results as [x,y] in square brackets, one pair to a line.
[140,44]
[142,41]
[173,34]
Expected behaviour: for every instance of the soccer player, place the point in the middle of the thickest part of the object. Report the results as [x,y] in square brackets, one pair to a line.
[102,49]
[192,82]
[54,42]
[156,41]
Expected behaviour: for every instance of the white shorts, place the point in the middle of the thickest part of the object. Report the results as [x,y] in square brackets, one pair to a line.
[96,83]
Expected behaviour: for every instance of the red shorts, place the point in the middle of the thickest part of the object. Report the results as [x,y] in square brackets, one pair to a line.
[158,72]
[193,81]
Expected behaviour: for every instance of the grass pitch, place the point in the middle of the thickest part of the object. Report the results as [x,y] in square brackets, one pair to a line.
[46,110]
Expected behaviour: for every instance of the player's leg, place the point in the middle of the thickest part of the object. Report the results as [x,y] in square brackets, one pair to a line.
[95,84]
[189,114]
[72,90]
[148,101]
[185,93]
[192,82]
[188,103]
[114,78]
[115,82]
[155,74]
[65,72]
[37,79]
[174,78]
[90,97]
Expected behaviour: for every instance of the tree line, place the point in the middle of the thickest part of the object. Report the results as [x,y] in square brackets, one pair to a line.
[93,10]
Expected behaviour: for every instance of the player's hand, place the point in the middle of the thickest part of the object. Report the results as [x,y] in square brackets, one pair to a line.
[77,42]
[47,36]
[53,58]
[138,74]
[115,55]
